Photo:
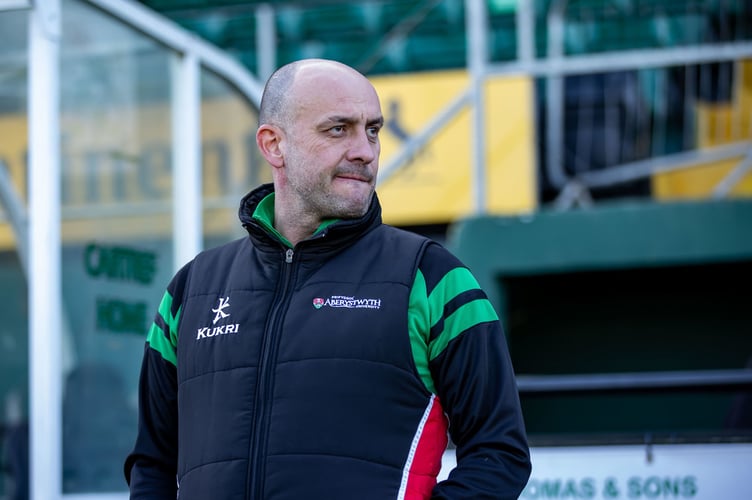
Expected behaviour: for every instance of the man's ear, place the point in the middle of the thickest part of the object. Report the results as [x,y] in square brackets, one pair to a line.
[268,139]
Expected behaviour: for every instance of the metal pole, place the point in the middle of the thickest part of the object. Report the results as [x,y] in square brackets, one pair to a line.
[477,57]
[733,178]
[15,5]
[266,41]
[159,28]
[676,161]
[187,220]
[697,380]
[14,207]
[45,301]
[525,32]
[555,97]
[623,60]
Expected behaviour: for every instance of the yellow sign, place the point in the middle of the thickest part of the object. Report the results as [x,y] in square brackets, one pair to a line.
[717,124]
[435,186]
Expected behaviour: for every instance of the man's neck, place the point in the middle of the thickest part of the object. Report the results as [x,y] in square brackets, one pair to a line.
[293,227]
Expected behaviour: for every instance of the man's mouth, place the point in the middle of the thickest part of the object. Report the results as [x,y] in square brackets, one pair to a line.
[354,177]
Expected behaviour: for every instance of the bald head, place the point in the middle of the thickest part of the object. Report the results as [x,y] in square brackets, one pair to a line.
[319,124]
[280,90]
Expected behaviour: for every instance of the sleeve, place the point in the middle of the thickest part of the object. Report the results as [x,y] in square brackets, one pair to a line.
[472,373]
[151,468]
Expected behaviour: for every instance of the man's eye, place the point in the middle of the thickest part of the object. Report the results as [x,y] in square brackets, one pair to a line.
[373,131]
[337,129]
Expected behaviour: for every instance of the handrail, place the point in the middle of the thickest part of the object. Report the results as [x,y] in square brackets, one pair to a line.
[693,380]
[557,65]
[625,60]
[627,172]
[15,5]
[16,213]
[168,33]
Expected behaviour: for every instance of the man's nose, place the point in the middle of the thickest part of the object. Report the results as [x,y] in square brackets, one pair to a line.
[363,149]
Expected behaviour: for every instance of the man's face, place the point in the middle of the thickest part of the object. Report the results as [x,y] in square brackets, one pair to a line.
[331,144]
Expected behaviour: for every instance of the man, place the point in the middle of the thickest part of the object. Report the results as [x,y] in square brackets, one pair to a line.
[325,355]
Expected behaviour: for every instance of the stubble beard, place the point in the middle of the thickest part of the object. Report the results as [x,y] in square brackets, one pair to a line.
[320,200]
[330,205]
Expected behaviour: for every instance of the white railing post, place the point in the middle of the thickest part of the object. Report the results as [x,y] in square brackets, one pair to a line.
[187,221]
[45,301]
[477,57]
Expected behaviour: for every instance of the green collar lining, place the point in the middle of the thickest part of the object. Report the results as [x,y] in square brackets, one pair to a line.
[264,213]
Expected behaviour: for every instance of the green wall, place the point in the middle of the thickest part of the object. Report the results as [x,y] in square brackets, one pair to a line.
[627,287]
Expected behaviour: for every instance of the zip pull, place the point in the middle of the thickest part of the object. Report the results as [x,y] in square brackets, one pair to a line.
[288,255]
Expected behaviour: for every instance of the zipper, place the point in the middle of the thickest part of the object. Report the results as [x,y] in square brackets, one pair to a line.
[265,381]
